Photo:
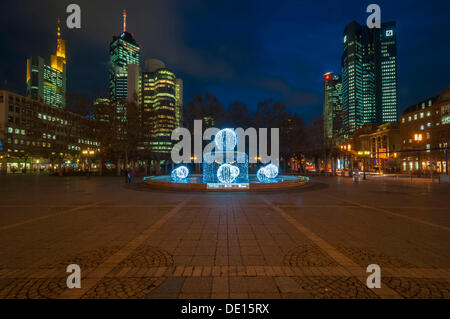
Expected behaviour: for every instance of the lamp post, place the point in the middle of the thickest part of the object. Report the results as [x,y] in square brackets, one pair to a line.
[364,155]
[347,149]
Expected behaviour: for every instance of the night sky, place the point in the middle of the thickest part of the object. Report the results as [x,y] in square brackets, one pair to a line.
[237,50]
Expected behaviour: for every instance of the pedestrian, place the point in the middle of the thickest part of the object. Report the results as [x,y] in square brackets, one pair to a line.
[126,176]
[130,175]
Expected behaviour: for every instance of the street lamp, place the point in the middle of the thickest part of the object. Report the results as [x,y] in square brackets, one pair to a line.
[364,155]
[347,148]
[418,138]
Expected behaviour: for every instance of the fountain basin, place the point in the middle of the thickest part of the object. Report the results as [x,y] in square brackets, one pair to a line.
[195,183]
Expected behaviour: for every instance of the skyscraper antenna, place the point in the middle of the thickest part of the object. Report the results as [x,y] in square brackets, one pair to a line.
[59,28]
[124,20]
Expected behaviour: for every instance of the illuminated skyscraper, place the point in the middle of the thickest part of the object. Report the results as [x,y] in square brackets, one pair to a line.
[386,84]
[123,50]
[332,107]
[179,102]
[47,83]
[369,75]
[160,97]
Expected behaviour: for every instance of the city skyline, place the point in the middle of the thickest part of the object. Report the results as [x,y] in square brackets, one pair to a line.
[232,73]
[218,159]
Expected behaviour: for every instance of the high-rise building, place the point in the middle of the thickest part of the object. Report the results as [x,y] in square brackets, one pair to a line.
[332,107]
[369,76]
[160,96]
[47,83]
[179,102]
[386,80]
[123,51]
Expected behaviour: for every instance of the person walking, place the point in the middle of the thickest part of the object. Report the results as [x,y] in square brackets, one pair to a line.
[130,175]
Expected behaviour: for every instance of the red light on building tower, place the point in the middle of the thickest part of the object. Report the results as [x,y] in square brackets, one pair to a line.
[124,20]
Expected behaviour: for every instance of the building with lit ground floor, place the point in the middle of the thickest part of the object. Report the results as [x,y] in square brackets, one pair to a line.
[425,135]
[35,136]
[378,147]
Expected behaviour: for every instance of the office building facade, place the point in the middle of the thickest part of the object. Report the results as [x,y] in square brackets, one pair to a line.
[425,134]
[369,76]
[34,135]
[332,108]
[159,97]
[47,83]
[123,51]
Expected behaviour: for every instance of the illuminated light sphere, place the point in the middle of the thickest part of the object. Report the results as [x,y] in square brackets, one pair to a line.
[271,171]
[227,173]
[225,140]
[267,172]
[261,174]
[180,172]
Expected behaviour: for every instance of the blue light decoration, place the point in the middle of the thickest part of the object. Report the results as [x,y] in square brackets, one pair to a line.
[267,173]
[271,171]
[180,173]
[225,165]
[226,140]
[261,175]
[227,173]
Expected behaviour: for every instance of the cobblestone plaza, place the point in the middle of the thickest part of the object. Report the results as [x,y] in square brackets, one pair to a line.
[132,242]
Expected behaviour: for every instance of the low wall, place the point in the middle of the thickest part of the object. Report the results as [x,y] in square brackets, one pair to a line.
[201,187]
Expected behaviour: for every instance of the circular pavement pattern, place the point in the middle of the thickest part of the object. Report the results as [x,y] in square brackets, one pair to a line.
[335,287]
[147,256]
[419,288]
[366,256]
[108,287]
[308,256]
[34,288]
[123,288]
[132,287]
[88,259]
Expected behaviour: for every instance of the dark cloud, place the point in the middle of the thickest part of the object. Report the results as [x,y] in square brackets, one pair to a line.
[238,50]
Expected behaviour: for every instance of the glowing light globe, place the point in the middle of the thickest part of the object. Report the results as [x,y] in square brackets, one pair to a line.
[271,171]
[180,172]
[267,172]
[227,173]
[261,175]
[225,140]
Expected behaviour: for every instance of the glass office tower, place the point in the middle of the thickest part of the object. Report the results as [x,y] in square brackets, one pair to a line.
[47,83]
[332,108]
[369,76]
[123,50]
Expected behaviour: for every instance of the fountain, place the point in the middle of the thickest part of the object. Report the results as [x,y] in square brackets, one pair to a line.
[225,169]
